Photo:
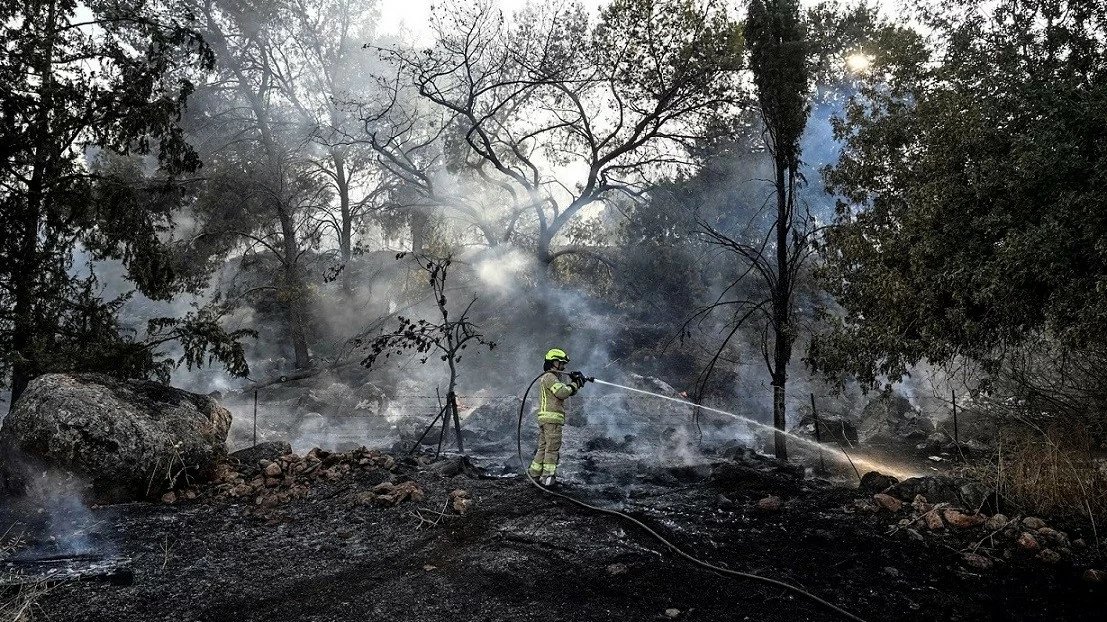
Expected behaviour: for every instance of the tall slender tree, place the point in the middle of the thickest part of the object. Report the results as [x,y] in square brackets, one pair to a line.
[87,89]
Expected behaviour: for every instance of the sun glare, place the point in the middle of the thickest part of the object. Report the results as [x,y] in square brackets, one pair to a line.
[858,62]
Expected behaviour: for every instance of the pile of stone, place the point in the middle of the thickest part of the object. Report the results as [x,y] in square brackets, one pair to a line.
[272,475]
[988,538]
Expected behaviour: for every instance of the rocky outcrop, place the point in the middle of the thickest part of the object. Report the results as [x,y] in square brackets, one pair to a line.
[129,439]
[892,419]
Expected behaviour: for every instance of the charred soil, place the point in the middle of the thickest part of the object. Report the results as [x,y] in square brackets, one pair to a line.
[505,550]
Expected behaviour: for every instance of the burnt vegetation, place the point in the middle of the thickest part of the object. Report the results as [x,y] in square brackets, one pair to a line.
[839,272]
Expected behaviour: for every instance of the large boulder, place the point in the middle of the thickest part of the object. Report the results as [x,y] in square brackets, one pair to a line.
[890,418]
[130,439]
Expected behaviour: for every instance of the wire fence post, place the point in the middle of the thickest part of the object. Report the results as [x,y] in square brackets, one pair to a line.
[956,434]
[818,436]
[255,417]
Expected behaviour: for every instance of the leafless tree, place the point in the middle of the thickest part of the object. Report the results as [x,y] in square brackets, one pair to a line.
[519,107]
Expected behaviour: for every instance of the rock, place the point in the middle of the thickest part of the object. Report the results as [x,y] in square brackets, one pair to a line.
[392,494]
[1049,556]
[271,451]
[996,522]
[772,503]
[892,418]
[616,569]
[1079,544]
[955,491]
[975,560]
[672,613]
[973,425]
[362,498]
[960,520]
[934,444]
[1033,522]
[833,428]
[130,439]
[494,421]
[273,470]
[921,505]
[169,498]
[932,521]
[873,482]
[915,535]
[888,502]
[891,572]
[460,501]
[1053,537]
[1091,575]
[1027,542]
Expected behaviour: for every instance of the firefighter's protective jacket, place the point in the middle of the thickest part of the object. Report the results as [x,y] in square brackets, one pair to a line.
[551,406]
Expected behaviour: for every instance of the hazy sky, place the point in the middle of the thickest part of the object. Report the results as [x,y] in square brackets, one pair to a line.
[412,15]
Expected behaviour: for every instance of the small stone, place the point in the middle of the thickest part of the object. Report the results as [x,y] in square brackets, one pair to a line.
[672,613]
[914,535]
[169,497]
[270,482]
[363,498]
[616,569]
[772,503]
[461,505]
[920,504]
[1091,575]
[888,502]
[242,490]
[429,567]
[1079,544]
[933,521]
[1049,556]
[1027,542]
[891,572]
[1054,537]
[959,520]
[190,494]
[1033,522]
[996,522]
[976,560]
[273,470]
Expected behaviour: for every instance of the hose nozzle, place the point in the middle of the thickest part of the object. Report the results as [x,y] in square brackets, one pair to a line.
[579,377]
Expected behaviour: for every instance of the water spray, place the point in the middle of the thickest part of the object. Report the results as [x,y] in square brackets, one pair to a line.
[795,437]
[677,550]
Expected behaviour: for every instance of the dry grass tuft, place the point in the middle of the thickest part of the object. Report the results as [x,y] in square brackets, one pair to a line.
[23,605]
[18,604]
[1051,471]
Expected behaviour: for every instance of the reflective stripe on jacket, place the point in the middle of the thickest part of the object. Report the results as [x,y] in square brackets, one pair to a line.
[551,406]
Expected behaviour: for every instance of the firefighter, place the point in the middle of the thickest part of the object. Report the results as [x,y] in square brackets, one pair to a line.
[551,413]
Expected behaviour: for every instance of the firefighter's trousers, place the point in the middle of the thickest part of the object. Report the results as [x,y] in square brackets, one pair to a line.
[549,448]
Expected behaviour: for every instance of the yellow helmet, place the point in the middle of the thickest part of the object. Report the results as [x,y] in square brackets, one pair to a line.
[557,355]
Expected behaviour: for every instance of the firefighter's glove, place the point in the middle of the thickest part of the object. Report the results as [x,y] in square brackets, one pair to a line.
[577,378]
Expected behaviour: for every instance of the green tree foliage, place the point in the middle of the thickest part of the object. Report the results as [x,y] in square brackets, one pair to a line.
[90,97]
[973,214]
[776,38]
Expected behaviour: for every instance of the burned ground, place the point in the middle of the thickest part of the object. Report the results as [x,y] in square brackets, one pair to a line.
[517,553]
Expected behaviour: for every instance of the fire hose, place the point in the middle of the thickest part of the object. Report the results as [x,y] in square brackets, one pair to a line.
[699,562]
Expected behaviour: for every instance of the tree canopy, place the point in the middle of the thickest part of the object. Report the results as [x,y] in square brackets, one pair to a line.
[973,216]
[89,150]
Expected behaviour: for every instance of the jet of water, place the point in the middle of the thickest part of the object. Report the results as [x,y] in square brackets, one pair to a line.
[869,464]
